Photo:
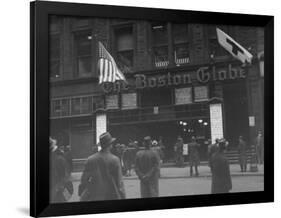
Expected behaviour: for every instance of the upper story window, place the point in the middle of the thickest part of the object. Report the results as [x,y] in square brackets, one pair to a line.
[215,49]
[159,41]
[124,47]
[83,53]
[181,43]
[54,64]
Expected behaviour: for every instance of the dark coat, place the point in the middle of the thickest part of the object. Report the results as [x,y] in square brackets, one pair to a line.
[59,176]
[194,153]
[221,179]
[212,149]
[102,178]
[242,150]
[147,169]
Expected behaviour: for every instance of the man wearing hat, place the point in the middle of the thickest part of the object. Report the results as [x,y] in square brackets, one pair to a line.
[147,169]
[102,176]
[221,179]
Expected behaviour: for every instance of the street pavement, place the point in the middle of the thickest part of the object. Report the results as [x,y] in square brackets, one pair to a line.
[176,181]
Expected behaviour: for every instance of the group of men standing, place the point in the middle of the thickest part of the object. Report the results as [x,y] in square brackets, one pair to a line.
[102,178]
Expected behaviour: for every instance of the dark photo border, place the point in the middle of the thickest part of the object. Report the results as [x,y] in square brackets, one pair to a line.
[39,109]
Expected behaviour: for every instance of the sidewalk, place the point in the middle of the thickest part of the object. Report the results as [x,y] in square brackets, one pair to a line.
[183,172]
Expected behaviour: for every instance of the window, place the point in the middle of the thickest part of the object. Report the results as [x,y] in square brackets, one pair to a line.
[83,53]
[81,105]
[215,48]
[159,42]
[60,107]
[125,48]
[54,64]
[181,46]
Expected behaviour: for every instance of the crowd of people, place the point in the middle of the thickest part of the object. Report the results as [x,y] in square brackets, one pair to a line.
[102,178]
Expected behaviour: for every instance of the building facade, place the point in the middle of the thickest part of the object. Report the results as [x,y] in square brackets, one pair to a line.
[180,81]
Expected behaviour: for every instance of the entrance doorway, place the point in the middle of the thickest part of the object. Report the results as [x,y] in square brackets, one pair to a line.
[168,130]
[236,112]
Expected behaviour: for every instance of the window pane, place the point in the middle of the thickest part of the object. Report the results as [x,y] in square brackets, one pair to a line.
[86,106]
[180,33]
[182,54]
[161,56]
[159,34]
[84,66]
[56,108]
[83,44]
[124,39]
[75,106]
[65,107]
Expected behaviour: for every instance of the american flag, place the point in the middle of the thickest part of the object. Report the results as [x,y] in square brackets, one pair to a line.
[108,69]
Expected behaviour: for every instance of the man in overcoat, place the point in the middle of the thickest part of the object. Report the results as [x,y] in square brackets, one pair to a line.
[221,178]
[194,159]
[102,176]
[147,169]
[58,173]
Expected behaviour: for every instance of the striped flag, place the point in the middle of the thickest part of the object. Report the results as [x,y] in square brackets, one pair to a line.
[235,49]
[108,70]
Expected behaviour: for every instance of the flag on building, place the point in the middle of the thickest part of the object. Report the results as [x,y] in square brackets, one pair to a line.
[235,49]
[107,67]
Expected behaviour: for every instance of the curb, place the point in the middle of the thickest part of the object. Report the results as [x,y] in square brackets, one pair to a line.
[185,177]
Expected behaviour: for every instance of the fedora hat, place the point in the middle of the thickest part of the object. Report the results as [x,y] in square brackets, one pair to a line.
[106,139]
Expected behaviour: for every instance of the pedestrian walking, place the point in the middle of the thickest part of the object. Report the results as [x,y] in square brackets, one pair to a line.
[147,169]
[260,147]
[59,174]
[242,150]
[179,151]
[102,176]
[194,159]
[221,179]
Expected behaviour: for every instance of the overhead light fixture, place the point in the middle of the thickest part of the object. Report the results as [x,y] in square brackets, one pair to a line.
[157,27]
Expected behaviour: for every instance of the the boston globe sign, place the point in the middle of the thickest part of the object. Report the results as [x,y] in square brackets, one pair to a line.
[201,75]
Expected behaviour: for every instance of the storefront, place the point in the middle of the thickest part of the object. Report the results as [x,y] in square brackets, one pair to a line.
[208,102]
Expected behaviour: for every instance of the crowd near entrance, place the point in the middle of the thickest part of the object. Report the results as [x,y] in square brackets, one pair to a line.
[167,132]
